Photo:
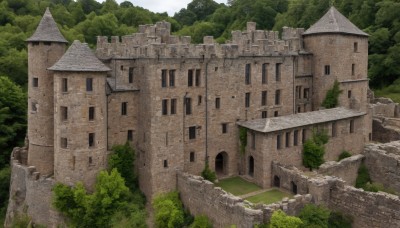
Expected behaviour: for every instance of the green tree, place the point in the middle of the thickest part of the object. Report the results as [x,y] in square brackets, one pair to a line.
[279,219]
[5,174]
[362,176]
[332,96]
[314,216]
[122,159]
[338,220]
[168,210]
[314,150]
[201,221]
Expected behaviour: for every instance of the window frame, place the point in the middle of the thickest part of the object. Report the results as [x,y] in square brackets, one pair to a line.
[89,84]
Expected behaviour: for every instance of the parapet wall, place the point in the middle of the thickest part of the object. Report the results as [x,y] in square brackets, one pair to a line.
[383,163]
[31,194]
[345,169]
[201,197]
[156,41]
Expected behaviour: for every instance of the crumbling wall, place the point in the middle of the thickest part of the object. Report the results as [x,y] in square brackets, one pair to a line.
[345,169]
[383,163]
[201,197]
[385,130]
[31,194]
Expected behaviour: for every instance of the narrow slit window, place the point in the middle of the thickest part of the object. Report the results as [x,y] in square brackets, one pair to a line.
[192,132]
[64,143]
[351,126]
[124,108]
[172,78]
[190,78]
[89,84]
[278,142]
[217,102]
[327,69]
[278,97]
[192,157]
[224,128]
[165,107]
[353,69]
[278,72]
[64,85]
[163,78]
[35,82]
[248,74]
[264,73]
[247,100]
[287,139]
[198,77]
[264,98]
[188,104]
[130,135]
[64,113]
[91,140]
[296,137]
[130,75]
[173,106]
[91,113]
[165,163]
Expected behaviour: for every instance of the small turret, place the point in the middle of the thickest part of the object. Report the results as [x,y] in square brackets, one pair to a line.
[45,47]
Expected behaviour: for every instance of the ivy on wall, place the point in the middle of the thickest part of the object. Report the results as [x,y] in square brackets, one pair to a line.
[332,96]
[243,139]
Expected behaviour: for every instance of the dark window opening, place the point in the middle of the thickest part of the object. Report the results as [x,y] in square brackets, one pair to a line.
[198,77]
[296,138]
[90,160]
[355,47]
[130,75]
[165,163]
[334,129]
[122,67]
[277,97]
[163,78]
[264,114]
[192,132]
[278,142]
[276,114]
[287,139]
[165,107]
[192,157]
[188,105]
[248,74]
[89,84]
[304,136]
[130,135]
[264,98]
[327,69]
[298,109]
[190,78]
[349,94]
[91,113]
[64,143]
[264,74]
[64,113]
[251,166]
[124,106]
[351,126]
[64,85]
[277,182]
[172,78]
[91,139]
[217,103]
[35,82]
[199,98]
[247,100]
[353,69]
[278,72]
[173,106]
[224,128]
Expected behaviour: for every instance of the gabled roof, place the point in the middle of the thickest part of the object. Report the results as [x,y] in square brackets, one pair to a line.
[334,22]
[79,57]
[47,30]
[300,119]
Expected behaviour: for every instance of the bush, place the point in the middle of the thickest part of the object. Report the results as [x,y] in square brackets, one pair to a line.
[313,154]
[363,177]
[168,210]
[279,219]
[332,96]
[343,155]
[314,216]
[122,159]
[338,220]
[208,174]
[201,221]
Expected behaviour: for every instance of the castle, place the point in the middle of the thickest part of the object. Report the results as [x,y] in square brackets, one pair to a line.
[180,105]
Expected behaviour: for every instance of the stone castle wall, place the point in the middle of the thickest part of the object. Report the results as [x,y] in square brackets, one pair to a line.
[201,197]
[345,169]
[386,124]
[31,194]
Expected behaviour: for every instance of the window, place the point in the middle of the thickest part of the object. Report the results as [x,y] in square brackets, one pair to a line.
[264,114]
[91,140]
[165,163]
[163,78]
[173,106]
[130,75]
[306,93]
[199,98]
[192,132]
[276,114]
[130,135]
[198,77]
[287,139]
[299,109]
[304,136]
[349,94]
[64,113]
[295,137]
[64,85]
[124,106]
[248,74]
[327,69]
[224,128]
[64,143]
[278,142]
[334,129]
[35,82]
[89,84]
[190,78]
[34,106]
[278,97]
[188,105]
[278,72]
[91,113]
[90,161]
[165,107]
[298,92]
[172,78]
[355,47]
[217,103]
[191,157]
[351,126]
[264,98]
[264,73]
[253,140]
[353,69]
[122,67]
[247,100]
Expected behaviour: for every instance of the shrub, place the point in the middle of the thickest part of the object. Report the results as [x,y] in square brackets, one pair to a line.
[363,177]
[343,155]
[332,96]
[279,219]
[313,154]
[338,220]
[201,221]
[314,216]
[168,210]
[122,159]
[208,174]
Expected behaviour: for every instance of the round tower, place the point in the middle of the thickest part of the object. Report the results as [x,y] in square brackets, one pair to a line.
[80,116]
[45,47]
[340,51]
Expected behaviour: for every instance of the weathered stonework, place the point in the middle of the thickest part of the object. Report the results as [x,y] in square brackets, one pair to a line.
[345,169]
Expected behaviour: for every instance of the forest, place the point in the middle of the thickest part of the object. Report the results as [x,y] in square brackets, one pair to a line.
[86,19]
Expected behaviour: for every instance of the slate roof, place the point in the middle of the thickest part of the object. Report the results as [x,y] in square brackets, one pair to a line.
[300,119]
[79,57]
[47,30]
[334,22]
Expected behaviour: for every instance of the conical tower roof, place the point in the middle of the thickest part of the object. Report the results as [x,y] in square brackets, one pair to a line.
[47,30]
[79,57]
[334,22]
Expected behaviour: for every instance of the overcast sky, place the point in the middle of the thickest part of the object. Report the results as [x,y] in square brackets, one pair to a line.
[160,6]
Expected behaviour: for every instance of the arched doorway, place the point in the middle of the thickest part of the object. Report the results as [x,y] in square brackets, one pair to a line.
[277,182]
[294,187]
[251,166]
[221,163]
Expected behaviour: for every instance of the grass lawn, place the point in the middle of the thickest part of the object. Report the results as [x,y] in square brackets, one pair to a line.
[237,186]
[269,197]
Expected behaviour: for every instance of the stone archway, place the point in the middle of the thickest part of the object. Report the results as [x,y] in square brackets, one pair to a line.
[251,166]
[294,187]
[221,163]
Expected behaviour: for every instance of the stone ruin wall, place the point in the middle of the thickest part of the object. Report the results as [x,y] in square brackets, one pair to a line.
[201,197]
[367,209]
[345,169]
[30,193]
[156,41]
[386,121]
[387,158]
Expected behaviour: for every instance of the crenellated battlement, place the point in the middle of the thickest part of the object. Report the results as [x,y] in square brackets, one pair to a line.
[156,41]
